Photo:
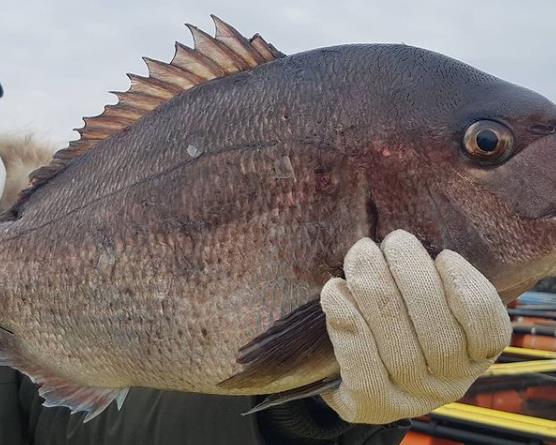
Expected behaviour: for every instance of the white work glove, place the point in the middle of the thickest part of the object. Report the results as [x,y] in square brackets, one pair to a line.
[410,334]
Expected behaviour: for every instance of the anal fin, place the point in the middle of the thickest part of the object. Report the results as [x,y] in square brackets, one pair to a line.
[54,389]
[91,399]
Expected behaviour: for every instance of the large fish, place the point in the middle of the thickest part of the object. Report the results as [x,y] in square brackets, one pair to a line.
[182,242]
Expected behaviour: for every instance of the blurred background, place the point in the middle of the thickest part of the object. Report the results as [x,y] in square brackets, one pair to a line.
[60,57]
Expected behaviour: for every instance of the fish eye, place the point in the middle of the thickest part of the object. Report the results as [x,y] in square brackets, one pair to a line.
[488,141]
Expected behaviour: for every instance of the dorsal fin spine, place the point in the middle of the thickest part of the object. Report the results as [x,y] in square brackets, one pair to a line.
[171,74]
[108,121]
[152,87]
[217,51]
[234,40]
[196,63]
[262,47]
[142,102]
[119,111]
[94,134]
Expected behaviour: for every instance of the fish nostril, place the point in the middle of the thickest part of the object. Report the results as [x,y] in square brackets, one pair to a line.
[542,129]
[551,214]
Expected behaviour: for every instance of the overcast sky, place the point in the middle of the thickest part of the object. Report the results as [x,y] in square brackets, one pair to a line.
[58,58]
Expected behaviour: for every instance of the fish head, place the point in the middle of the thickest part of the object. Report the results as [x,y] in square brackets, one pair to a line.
[469,164]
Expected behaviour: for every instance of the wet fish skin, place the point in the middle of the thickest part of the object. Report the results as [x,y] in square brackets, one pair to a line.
[141,265]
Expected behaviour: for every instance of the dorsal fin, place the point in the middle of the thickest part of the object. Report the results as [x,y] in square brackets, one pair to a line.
[212,57]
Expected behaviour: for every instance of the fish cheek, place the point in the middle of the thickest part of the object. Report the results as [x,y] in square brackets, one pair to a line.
[400,185]
[434,199]
[526,182]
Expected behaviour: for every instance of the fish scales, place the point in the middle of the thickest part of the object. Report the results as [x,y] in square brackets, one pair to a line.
[241,246]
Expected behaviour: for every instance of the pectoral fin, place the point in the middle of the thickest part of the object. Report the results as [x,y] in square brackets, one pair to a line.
[294,346]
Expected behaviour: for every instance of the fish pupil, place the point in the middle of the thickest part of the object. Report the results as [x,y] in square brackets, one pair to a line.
[487,140]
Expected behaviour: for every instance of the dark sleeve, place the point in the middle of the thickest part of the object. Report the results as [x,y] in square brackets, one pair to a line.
[12,420]
[391,434]
[171,418]
[148,417]
[312,422]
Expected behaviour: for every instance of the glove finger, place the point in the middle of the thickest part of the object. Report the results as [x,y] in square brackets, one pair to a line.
[354,346]
[440,336]
[377,297]
[361,368]
[476,305]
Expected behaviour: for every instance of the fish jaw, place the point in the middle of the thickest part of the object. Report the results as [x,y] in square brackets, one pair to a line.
[530,275]
[511,282]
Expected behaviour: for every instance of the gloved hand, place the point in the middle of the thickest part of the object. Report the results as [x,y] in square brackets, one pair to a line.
[410,334]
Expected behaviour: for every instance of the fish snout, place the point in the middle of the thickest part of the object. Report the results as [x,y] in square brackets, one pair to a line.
[538,163]
[527,182]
